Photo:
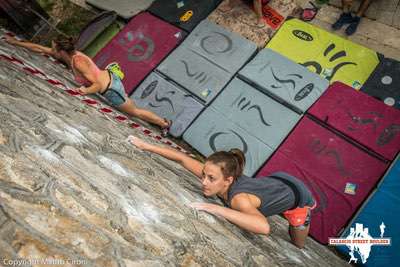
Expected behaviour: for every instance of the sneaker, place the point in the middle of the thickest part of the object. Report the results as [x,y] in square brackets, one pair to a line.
[345,18]
[352,28]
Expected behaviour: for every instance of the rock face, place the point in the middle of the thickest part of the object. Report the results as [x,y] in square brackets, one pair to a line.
[73,190]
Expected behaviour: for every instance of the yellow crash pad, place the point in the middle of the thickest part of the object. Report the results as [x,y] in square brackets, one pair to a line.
[327,54]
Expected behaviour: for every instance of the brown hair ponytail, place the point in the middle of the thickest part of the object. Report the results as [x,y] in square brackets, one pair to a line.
[231,163]
[66,44]
[241,160]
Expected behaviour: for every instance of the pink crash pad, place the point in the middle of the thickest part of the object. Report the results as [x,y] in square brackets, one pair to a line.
[361,117]
[339,174]
[139,48]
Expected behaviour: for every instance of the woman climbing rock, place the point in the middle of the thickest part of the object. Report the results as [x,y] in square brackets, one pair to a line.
[94,80]
[249,201]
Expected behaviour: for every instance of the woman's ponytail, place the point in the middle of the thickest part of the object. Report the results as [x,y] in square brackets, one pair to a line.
[240,159]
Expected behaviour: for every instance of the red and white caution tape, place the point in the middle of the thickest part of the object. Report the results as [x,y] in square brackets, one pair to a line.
[88,101]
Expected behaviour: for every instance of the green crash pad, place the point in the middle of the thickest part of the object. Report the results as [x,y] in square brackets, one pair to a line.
[103,39]
[327,54]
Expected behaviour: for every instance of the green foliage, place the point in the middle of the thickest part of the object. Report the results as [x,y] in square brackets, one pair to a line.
[73,24]
[72,17]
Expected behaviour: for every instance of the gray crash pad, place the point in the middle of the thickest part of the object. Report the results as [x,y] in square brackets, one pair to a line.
[168,101]
[282,78]
[212,132]
[124,8]
[198,75]
[256,112]
[226,49]
[207,60]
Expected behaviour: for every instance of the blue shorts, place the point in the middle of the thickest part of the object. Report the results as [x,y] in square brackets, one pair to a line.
[115,93]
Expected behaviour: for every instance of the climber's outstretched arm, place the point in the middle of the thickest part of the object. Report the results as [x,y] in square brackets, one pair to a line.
[31,46]
[192,165]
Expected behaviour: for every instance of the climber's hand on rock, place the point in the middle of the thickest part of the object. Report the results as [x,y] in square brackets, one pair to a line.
[82,90]
[208,207]
[10,39]
[139,143]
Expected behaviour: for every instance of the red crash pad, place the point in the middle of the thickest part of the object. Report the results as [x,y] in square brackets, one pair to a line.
[339,174]
[363,118]
[139,48]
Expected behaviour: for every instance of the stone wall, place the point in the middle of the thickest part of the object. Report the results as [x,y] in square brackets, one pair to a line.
[72,188]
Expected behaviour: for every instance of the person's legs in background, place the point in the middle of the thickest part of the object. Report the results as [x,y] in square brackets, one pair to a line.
[345,17]
[258,9]
[257,5]
[352,28]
